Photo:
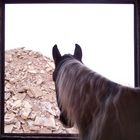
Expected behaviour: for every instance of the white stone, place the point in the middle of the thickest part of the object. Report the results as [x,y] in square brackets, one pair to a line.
[8,128]
[43,121]
[17,104]
[25,112]
[26,104]
[7,95]
[36,91]
[17,125]
[9,118]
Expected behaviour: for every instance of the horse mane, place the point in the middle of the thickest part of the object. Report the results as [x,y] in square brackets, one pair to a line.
[91,100]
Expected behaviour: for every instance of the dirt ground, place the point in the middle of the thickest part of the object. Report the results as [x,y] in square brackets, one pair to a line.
[30,102]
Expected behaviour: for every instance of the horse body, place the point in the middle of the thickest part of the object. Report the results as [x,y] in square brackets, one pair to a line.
[101,109]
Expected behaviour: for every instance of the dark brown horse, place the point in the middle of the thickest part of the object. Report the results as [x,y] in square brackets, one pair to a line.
[101,109]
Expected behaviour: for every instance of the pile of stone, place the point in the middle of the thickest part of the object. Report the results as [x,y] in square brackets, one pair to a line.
[30,100]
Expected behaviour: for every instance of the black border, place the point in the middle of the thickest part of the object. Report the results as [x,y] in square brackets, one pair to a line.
[137,42]
[2,58]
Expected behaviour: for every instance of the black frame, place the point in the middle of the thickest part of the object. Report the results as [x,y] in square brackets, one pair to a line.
[2,56]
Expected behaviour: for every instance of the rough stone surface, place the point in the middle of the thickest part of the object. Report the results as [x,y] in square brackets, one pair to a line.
[30,101]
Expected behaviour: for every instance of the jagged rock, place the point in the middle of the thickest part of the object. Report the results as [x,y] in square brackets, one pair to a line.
[51,64]
[17,104]
[52,87]
[40,121]
[20,96]
[30,93]
[45,130]
[9,128]
[7,95]
[32,115]
[39,81]
[12,81]
[51,122]
[32,71]
[9,118]
[25,113]
[30,100]
[42,71]
[35,128]
[8,58]
[22,89]
[47,106]
[17,125]
[25,128]
[43,121]
[26,110]
[26,104]
[17,131]
[35,91]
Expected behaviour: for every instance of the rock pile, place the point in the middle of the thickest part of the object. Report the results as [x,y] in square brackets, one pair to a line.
[30,103]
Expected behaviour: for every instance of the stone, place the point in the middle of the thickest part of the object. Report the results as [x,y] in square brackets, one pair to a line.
[26,104]
[42,71]
[39,121]
[17,104]
[17,131]
[7,95]
[39,81]
[26,110]
[25,128]
[32,71]
[50,122]
[52,87]
[21,96]
[9,118]
[25,113]
[17,125]
[29,63]
[8,58]
[43,121]
[30,93]
[45,130]
[12,81]
[51,64]
[49,107]
[8,128]
[35,128]
[30,123]
[22,89]
[30,99]
[32,115]
[36,91]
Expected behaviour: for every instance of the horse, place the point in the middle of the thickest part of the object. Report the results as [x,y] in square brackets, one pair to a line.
[100,108]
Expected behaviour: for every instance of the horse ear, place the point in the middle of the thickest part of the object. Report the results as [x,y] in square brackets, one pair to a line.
[78,52]
[56,55]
